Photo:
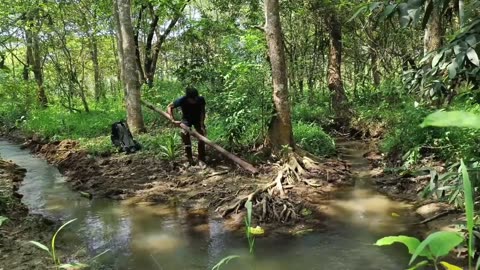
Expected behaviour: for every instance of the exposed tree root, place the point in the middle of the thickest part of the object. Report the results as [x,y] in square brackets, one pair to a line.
[271,201]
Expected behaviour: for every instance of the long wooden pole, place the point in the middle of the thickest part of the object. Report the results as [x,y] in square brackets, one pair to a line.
[247,166]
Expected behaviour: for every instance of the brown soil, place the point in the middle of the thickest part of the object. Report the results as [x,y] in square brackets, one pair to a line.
[15,251]
[142,178]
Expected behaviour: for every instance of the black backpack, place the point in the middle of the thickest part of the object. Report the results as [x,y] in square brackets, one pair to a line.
[123,139]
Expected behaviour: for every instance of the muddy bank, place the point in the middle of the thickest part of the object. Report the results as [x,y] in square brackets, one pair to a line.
[15,251]
[407,186]
[142,178]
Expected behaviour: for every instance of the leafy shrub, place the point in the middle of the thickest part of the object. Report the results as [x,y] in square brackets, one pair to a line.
[308,113]
[312,138]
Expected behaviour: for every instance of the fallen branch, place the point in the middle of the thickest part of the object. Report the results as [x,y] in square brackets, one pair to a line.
[247,166]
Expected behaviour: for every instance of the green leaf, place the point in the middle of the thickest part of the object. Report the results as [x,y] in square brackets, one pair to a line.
[469,211]
[418,265]
[439,244]
[388,11]
[410,242]
[437,59]
[473,57]
[248,205]
[2,220]
[452,70]
[224,261]
[363,8]
[55,259]
[471,40]
[40,245]
[452,119]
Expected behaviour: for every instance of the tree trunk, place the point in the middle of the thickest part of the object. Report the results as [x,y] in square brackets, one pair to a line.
[334,75]
[280,131]
[96,69]
[130,71]
[119,58]
[433,38]
[35,61]
[375,72]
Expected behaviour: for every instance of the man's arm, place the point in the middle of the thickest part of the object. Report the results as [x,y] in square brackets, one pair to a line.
[202,118]
[170,108]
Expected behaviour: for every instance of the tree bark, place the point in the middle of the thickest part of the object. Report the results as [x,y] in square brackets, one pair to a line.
[433,38]
[96,69]
[374,63]
[280,131]
[119,40]
[334,75]
[130,71]
[35,62]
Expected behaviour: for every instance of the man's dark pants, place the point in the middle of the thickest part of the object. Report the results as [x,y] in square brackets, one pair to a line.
[188,143]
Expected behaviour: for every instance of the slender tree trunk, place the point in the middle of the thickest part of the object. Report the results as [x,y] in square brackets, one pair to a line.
[130,71]
[280,131]
[35,61]
[375,72]
[433,38]
[96,69]
[119,56]
[334,75]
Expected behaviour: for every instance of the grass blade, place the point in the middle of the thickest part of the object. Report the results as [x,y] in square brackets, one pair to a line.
[55,237]
[224,261]
[468,194]
[40,245]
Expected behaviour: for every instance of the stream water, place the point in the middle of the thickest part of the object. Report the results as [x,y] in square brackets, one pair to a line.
[161,237]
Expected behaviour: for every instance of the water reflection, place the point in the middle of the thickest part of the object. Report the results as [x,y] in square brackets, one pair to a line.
[160,237]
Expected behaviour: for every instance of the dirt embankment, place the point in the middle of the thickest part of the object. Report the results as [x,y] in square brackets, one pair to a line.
[143,178]
[15,251]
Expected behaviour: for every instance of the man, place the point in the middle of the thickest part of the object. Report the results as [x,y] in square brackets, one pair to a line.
[193,111]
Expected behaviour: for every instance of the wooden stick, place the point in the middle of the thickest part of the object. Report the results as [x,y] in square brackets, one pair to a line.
[247,166]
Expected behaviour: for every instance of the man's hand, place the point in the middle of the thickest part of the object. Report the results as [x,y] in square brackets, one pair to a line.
[176,123]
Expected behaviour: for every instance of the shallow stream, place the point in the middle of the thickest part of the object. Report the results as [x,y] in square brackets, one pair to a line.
[163,237]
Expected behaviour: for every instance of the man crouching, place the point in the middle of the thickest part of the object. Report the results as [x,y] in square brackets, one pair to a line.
[193,114]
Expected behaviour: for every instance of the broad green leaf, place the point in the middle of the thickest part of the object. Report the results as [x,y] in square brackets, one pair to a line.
[452,119]
[410,242]
[2,220]
[449,266]
[403,12]
[437,59]
[389,10]
[439,244]
[73,266]
[469,210]
[452,70]
[418,265]
[40,245]
[471,40]
[473,57]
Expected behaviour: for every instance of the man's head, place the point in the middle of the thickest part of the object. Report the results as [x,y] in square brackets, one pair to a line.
[191,93]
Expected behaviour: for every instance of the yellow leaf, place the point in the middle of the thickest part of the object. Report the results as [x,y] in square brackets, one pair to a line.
[256,231]
[395,214]
[448,266]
